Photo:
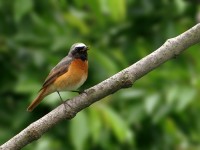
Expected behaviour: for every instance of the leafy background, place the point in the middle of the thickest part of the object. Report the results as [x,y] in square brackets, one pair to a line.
[161,110]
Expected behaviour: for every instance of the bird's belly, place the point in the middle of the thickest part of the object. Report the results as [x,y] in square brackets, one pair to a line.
[71,83]
[72,79]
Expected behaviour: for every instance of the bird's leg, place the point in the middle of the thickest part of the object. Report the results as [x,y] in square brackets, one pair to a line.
[63,101]
[72,113]
[60,97]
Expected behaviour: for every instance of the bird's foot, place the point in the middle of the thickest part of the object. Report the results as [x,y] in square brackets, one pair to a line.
[79,92]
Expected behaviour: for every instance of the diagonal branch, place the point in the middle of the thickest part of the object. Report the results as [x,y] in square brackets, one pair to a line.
[124,79]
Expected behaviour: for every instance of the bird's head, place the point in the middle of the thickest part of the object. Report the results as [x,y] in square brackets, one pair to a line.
[78,51]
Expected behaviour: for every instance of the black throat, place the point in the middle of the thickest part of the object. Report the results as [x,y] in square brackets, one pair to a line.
[83,56]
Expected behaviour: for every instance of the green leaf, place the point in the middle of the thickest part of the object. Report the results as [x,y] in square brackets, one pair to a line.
[181,6]
[116,124]
[118,54]
[151,102]
[185,97]
[105,61]
[96,7]
[79,131]
[21,7]
[117,9]
[131,94]
[171,94]
[76,20]
[95,124]
[162,112]
[26,85]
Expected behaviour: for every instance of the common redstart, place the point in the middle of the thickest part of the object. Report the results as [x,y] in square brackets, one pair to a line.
[68,75]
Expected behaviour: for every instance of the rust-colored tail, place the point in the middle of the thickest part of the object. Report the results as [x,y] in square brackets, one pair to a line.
[37,100]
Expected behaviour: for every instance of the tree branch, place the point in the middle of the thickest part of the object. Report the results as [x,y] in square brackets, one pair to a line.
[124,79]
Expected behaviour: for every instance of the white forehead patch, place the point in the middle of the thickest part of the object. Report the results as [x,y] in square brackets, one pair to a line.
[79,45]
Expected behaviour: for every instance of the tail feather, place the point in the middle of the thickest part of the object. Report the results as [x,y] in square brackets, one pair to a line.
[37,100]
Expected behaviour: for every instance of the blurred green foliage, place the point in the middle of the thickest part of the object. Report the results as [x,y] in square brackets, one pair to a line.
[161,110]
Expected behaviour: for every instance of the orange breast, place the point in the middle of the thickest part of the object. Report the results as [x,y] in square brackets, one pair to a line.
[75,76]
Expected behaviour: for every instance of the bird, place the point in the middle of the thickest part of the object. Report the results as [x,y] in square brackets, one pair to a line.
[68,75]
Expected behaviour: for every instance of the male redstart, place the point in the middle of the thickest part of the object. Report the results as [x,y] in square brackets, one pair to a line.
[68,75]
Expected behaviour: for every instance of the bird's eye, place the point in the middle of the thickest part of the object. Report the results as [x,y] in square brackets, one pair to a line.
[79,48]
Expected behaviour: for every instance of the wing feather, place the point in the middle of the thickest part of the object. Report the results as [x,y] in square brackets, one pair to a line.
[57,71]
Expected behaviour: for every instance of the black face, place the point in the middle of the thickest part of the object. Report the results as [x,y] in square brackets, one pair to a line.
[81,49]
[79,52]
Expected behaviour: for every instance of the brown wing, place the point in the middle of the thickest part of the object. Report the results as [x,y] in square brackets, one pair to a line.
[57,71]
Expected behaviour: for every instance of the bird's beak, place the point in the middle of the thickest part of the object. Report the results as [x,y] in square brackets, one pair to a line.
[87,48]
